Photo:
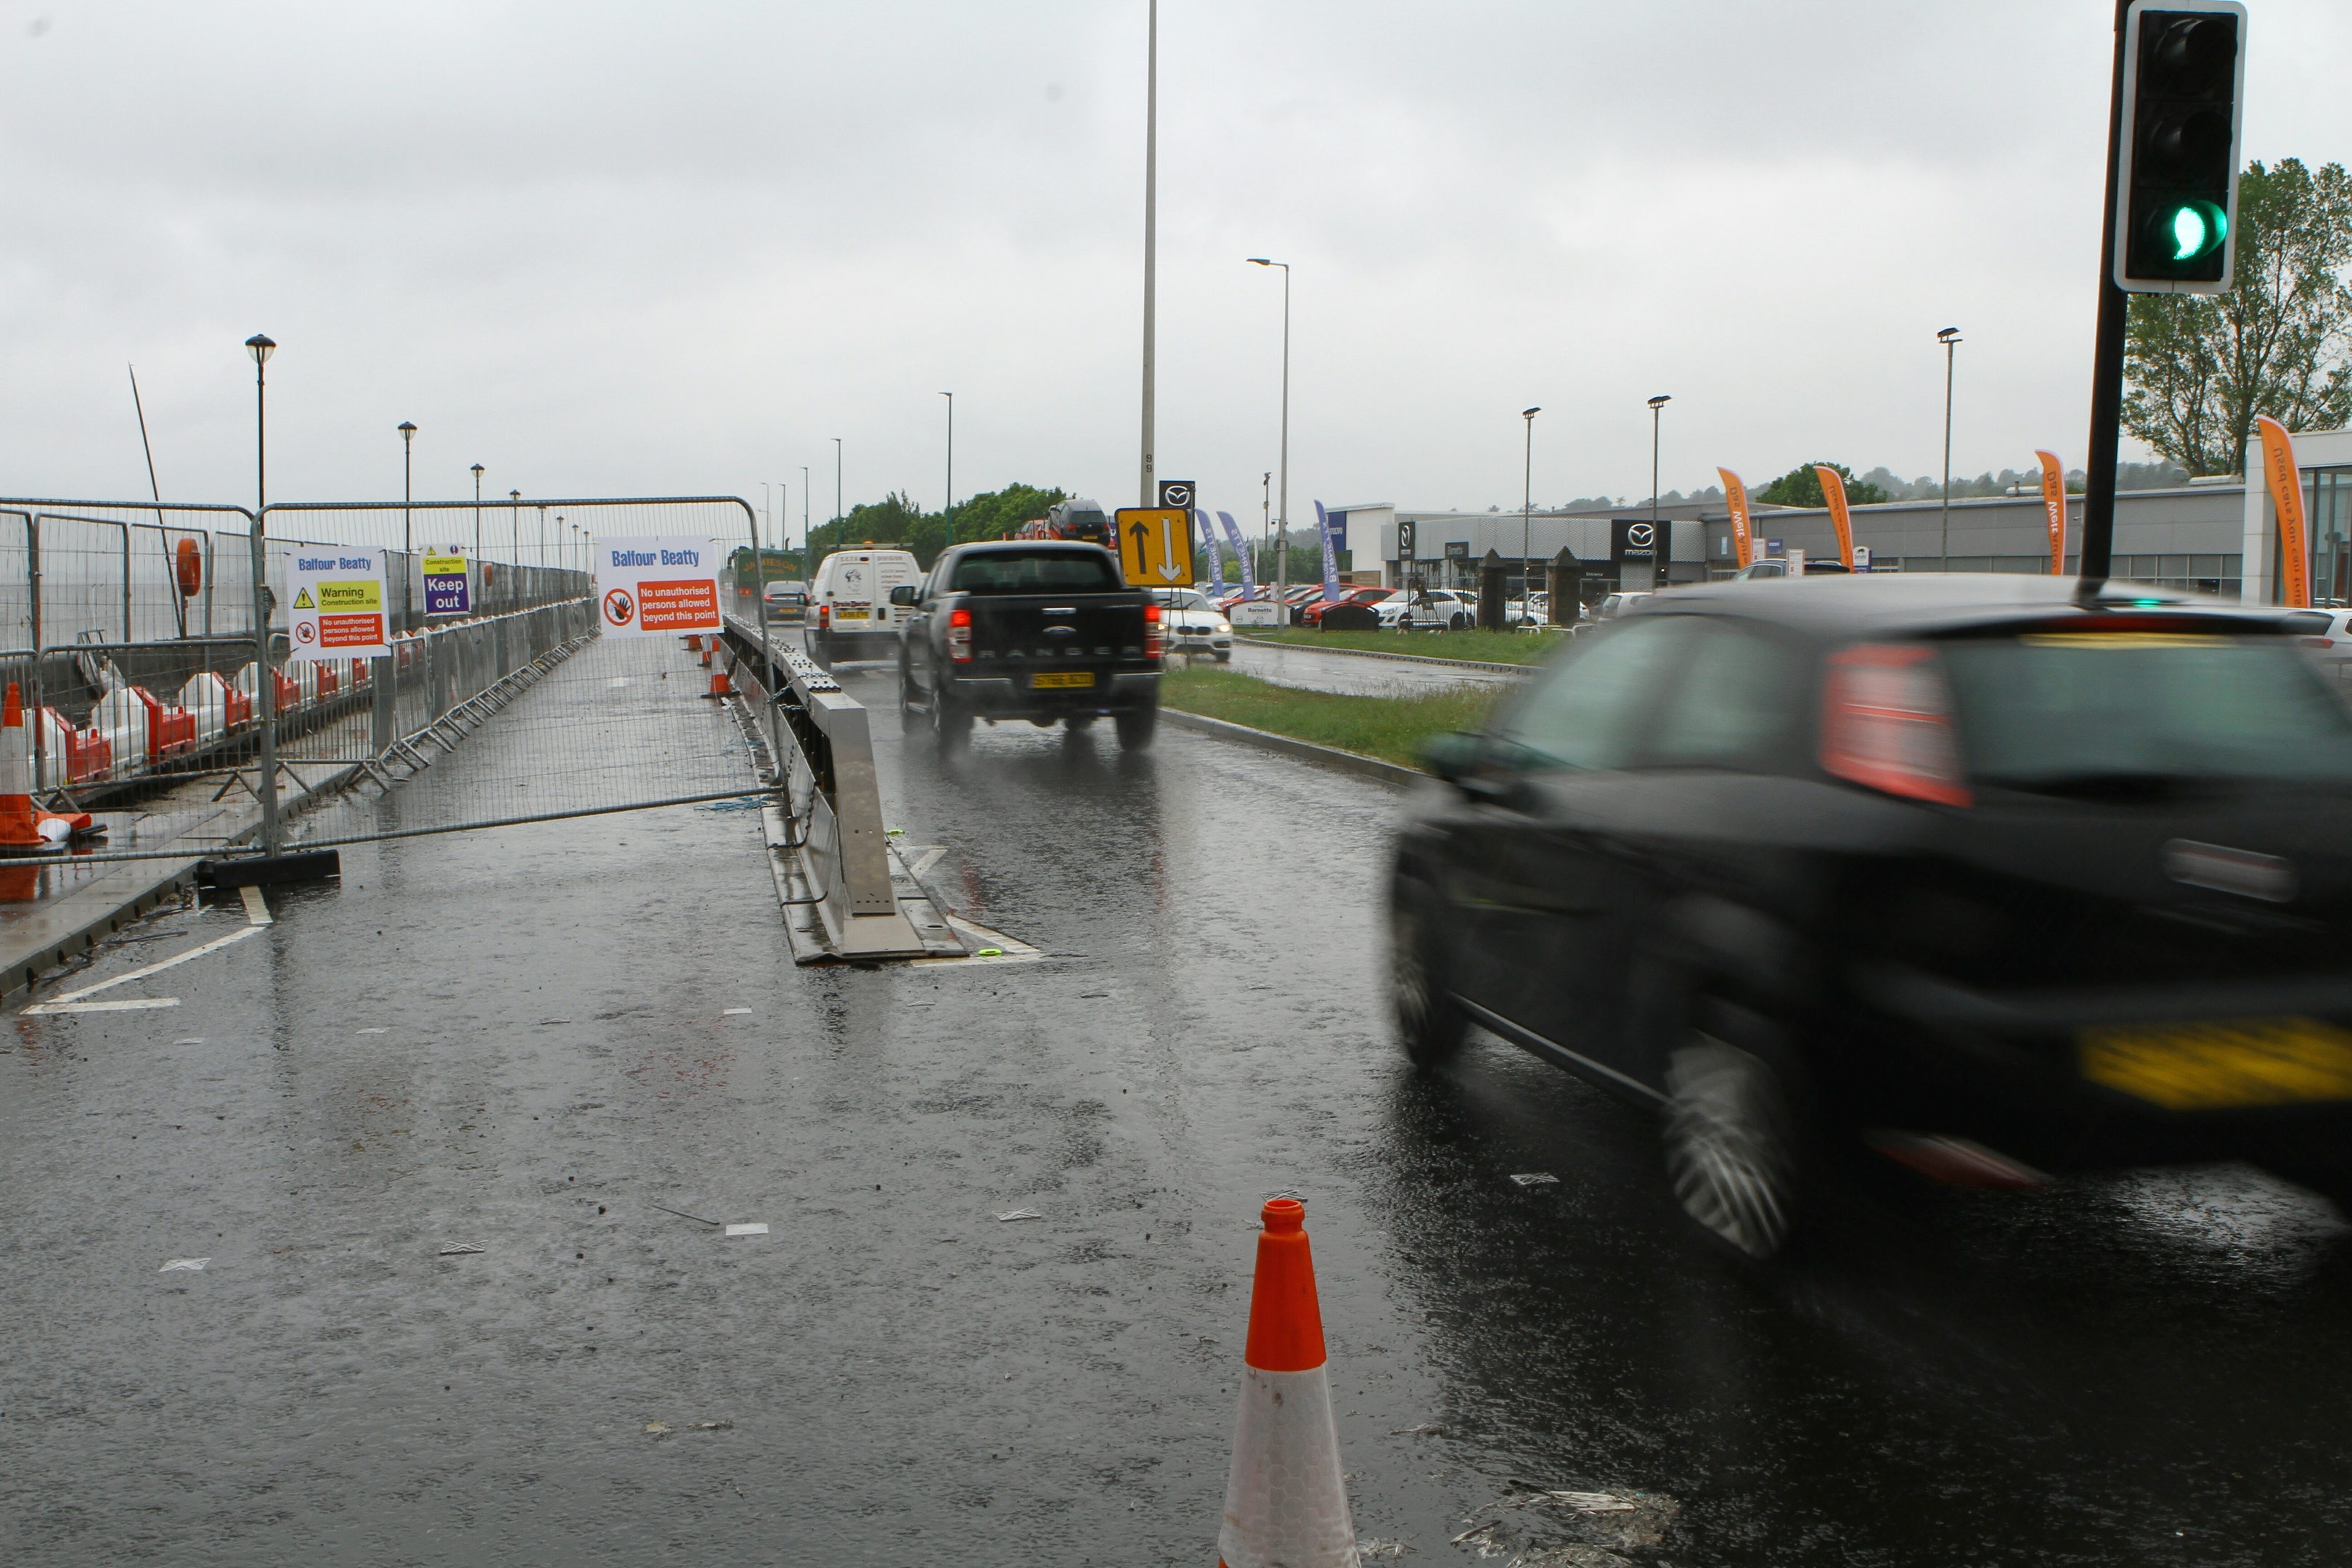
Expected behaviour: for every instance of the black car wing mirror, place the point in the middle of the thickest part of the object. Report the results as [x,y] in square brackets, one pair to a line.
[904,594]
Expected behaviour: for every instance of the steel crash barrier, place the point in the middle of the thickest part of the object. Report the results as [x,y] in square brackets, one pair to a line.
[844,893]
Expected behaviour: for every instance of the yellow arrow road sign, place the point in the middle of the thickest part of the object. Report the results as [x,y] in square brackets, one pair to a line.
[1155,545]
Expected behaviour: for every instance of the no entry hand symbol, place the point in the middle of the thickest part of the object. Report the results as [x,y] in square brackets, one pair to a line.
[619,608]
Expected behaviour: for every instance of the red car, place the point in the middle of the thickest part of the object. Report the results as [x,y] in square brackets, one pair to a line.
[1312,615]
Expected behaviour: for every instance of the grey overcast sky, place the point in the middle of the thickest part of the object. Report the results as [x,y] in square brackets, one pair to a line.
[613,249]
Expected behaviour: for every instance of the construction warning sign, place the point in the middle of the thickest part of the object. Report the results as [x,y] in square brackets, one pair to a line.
[446,587]
[657,586]
[337,607]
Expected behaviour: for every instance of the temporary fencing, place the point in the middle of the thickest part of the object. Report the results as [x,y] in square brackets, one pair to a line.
[131,630]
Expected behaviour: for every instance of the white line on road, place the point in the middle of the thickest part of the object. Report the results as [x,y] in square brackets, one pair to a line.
[129,1004]
[257,908]
[71,1002]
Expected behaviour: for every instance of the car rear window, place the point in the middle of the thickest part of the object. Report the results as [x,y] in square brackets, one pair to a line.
[1037,572]
[2082,710]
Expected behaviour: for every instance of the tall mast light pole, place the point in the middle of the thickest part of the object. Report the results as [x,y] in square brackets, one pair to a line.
[1949,337]
[1282,517]
[1527,516]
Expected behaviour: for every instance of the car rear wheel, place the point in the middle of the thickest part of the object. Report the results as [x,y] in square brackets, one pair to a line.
[1459,623]
[1731,1147]
[951,722]
[1429,1025]
[1136,727]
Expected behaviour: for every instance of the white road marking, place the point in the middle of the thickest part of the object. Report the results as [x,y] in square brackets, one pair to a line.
[71,1000]
[131,1004]
[257,908]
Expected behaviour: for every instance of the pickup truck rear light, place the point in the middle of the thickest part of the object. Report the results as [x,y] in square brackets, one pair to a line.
[959,636]
[1886,722]
[1155,638]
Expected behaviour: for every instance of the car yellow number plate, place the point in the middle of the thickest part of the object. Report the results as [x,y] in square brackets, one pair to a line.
[1064,678]
[850,613]
[2221,1065]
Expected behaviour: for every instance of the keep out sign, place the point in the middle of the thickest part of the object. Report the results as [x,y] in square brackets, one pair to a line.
[336,608]
[658,586]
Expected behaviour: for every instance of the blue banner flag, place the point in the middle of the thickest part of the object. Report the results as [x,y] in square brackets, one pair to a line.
[1233,532]
[1330,559]
[1216,553]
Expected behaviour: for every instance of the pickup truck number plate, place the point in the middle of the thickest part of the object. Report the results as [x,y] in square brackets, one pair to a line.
[2222,1065]
[1063,678]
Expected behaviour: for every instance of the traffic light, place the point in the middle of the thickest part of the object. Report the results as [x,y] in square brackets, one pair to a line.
[2177,183]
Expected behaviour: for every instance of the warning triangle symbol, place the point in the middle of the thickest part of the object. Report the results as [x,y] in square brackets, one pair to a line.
[302,601]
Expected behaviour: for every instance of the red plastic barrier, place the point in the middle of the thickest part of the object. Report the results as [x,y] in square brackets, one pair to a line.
[170,731]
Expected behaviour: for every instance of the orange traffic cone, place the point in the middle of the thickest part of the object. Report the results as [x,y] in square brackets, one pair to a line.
[19,828]
[1285,1501]
[719,684]
[694,642]
[705,650]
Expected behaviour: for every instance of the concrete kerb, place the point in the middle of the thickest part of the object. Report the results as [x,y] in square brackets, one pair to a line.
[1389,774]
[1401,658]
[55,934]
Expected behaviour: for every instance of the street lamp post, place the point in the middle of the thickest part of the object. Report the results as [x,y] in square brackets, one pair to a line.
[1527,517]
[804,519]
[838,520]
[1282,560]
[407,486]
[514,546]
[1266,512]
[477,534]
[1656,404]
[264,689]
[947,508]
[1949,337]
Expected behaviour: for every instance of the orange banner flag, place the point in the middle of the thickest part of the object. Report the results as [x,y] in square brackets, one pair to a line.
[2286,498]
[2054,510]
[1833,493]
[1743,542]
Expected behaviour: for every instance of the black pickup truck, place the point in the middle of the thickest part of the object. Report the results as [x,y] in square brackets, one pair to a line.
[1028,628]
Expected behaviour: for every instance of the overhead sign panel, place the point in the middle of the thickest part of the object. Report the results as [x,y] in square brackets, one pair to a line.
[1155,545]
[336,611]
[657,585]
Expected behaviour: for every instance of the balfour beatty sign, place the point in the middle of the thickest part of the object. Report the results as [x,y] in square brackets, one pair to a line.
[656,587]
[337,608]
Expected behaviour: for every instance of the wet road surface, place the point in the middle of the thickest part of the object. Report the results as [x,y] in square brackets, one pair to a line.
[2148,1370]
[1315,670]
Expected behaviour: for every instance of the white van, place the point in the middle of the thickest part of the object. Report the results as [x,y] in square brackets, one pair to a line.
[849,612]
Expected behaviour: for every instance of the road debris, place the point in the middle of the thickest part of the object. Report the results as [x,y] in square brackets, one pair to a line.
[1424,1426]
[714,1425]
[192,1265]
[683,1214]
[1536,1179]
[757,1227]
[1011,1215]
[1372,1546]
[460,1248]
[660,1428]
[990,953]
[734,1012]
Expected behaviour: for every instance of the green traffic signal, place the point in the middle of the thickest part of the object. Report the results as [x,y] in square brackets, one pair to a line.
[2189,230]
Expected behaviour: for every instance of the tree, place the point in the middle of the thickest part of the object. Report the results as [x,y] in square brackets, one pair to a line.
[2202,367]
[896,521]
[1803,486]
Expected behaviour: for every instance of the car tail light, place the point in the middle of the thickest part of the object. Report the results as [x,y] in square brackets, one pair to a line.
[1154,637]
[959,636]
[1886,721]
[823,616]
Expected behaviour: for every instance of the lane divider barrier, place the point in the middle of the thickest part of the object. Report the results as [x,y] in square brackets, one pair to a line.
[1286,1501]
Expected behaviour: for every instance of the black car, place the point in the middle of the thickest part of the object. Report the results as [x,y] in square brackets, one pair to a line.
[1973,871]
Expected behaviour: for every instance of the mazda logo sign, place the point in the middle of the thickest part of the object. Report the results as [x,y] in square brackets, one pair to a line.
[1641,535]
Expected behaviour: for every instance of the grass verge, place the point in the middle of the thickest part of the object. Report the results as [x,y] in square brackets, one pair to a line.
[1390,728]
[1491,647]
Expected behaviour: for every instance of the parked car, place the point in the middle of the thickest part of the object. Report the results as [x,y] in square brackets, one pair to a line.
[2326,636]
[1194,624]
[1436,609]
[1037,629]
[1773,566]
[1312,615]
[1957,870]
[851,596]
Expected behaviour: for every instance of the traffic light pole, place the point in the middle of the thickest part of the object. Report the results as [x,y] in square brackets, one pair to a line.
[2106,358]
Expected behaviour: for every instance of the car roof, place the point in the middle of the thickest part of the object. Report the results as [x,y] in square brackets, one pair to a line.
[1884,603]
[1025,546]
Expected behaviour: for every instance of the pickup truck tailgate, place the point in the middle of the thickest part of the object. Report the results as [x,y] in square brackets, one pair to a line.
[1085,626]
